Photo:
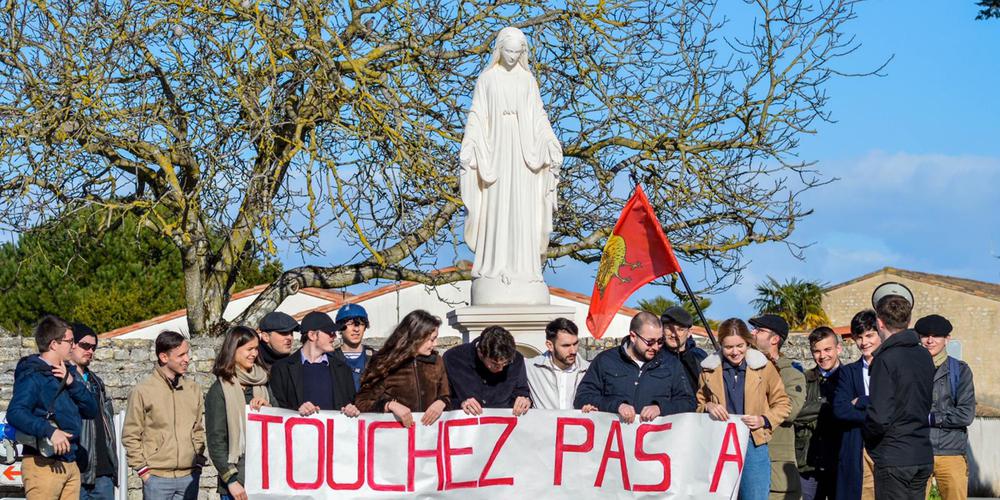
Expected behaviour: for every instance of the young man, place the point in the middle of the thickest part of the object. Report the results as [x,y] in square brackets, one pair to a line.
[636,379]
[952,411]
[817,432]
[488,373]
[163,435]
[48,404]
[555,375]
[352,321]
[276,331]
[677,325]
[769,333]
[98,457]
[312,379]
[855,469]
[896,429]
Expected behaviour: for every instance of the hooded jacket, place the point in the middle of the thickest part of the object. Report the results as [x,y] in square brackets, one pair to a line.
[35,389]
[543,380]
[896,429]
[763,392]
[614,378]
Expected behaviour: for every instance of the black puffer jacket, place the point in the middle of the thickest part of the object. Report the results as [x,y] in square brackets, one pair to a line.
[949,418]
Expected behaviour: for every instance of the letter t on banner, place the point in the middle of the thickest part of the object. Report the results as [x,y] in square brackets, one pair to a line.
[636,253]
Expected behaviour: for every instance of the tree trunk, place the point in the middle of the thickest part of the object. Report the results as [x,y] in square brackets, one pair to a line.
[205,291]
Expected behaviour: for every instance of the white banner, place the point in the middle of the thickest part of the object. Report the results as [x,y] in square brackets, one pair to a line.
[543,454]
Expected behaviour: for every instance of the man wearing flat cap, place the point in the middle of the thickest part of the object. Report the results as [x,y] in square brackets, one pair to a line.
[897,427]
[312,379]
[276,331]
[677,324]
[952,410]
[770,332]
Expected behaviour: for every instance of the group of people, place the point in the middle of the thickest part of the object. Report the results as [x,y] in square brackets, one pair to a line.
[878,427]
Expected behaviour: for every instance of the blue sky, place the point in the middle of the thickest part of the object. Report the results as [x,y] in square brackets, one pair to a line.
[917,153]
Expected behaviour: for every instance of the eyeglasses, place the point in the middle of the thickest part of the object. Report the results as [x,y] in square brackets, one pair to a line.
[63,340]
[86,346]
[648,342]
[494,364]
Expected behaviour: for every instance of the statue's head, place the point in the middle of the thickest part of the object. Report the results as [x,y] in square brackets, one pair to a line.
[510,49]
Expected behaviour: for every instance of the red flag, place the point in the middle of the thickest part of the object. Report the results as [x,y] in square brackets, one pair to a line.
[636,253]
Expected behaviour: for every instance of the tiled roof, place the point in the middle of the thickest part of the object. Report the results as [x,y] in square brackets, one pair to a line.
[971,287]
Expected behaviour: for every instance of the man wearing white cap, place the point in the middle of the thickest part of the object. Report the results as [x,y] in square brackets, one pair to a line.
[896,428]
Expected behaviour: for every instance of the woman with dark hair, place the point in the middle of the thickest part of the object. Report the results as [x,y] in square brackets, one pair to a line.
[739,380]
[407,374]
[240,381]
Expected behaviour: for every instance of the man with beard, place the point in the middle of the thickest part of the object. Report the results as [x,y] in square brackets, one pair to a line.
[769,333]
[98,457]
[352,320]
[677,325]
[817,433]
[636,379]
[275,331]
[555,375]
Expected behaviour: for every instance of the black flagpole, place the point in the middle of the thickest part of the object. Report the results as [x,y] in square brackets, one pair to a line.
[701,315]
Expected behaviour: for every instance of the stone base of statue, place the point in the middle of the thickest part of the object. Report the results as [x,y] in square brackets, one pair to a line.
[507,291]
[525,322]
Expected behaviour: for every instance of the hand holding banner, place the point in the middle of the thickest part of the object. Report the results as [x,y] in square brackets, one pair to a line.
[544,454]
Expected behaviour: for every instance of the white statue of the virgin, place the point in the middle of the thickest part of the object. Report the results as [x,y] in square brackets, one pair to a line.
[510,161]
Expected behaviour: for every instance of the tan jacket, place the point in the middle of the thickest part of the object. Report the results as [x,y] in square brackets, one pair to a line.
[763,392]
[164,431]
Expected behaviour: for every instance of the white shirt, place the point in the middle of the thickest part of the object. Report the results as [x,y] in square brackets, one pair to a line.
[566,386]
[864,374]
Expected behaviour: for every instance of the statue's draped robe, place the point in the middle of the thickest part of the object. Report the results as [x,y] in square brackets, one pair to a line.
[510,159]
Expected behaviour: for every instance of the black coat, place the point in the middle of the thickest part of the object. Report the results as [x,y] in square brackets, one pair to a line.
[951,416]
[691,360]
[817,432]
[286,382]
[613,378]
[897,432]
[469,378]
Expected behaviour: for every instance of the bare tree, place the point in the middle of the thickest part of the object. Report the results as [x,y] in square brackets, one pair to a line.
[271,121]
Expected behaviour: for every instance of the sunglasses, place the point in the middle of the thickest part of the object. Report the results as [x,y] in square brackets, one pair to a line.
[86,346]
[650,343]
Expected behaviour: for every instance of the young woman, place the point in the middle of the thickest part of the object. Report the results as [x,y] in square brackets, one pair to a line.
[741,381]
[406,374]
[240,381]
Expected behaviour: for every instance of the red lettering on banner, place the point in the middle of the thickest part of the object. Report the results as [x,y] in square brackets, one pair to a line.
[265,473]
[371,457]
[614,435]
[451,452]
[642,456]
[361,458]
[725,456]
[289,454]
[562,447]
[414,454]
[510,422]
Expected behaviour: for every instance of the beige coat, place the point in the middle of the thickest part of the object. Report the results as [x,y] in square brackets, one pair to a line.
[163,429]
[764,393]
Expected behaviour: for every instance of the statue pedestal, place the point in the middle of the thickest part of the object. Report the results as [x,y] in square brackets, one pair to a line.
[525,322]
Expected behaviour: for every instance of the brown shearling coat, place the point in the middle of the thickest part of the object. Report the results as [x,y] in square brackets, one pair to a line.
[416,384]
[764,392]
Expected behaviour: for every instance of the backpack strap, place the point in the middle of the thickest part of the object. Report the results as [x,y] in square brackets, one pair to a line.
[953,375]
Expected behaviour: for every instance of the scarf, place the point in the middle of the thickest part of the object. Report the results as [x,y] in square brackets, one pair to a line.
[236,405]
[940,358]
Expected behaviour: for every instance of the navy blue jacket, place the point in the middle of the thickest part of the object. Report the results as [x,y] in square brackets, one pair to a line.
[850,385]
[34,389]
[614,378]
[691,360]
[469,378]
